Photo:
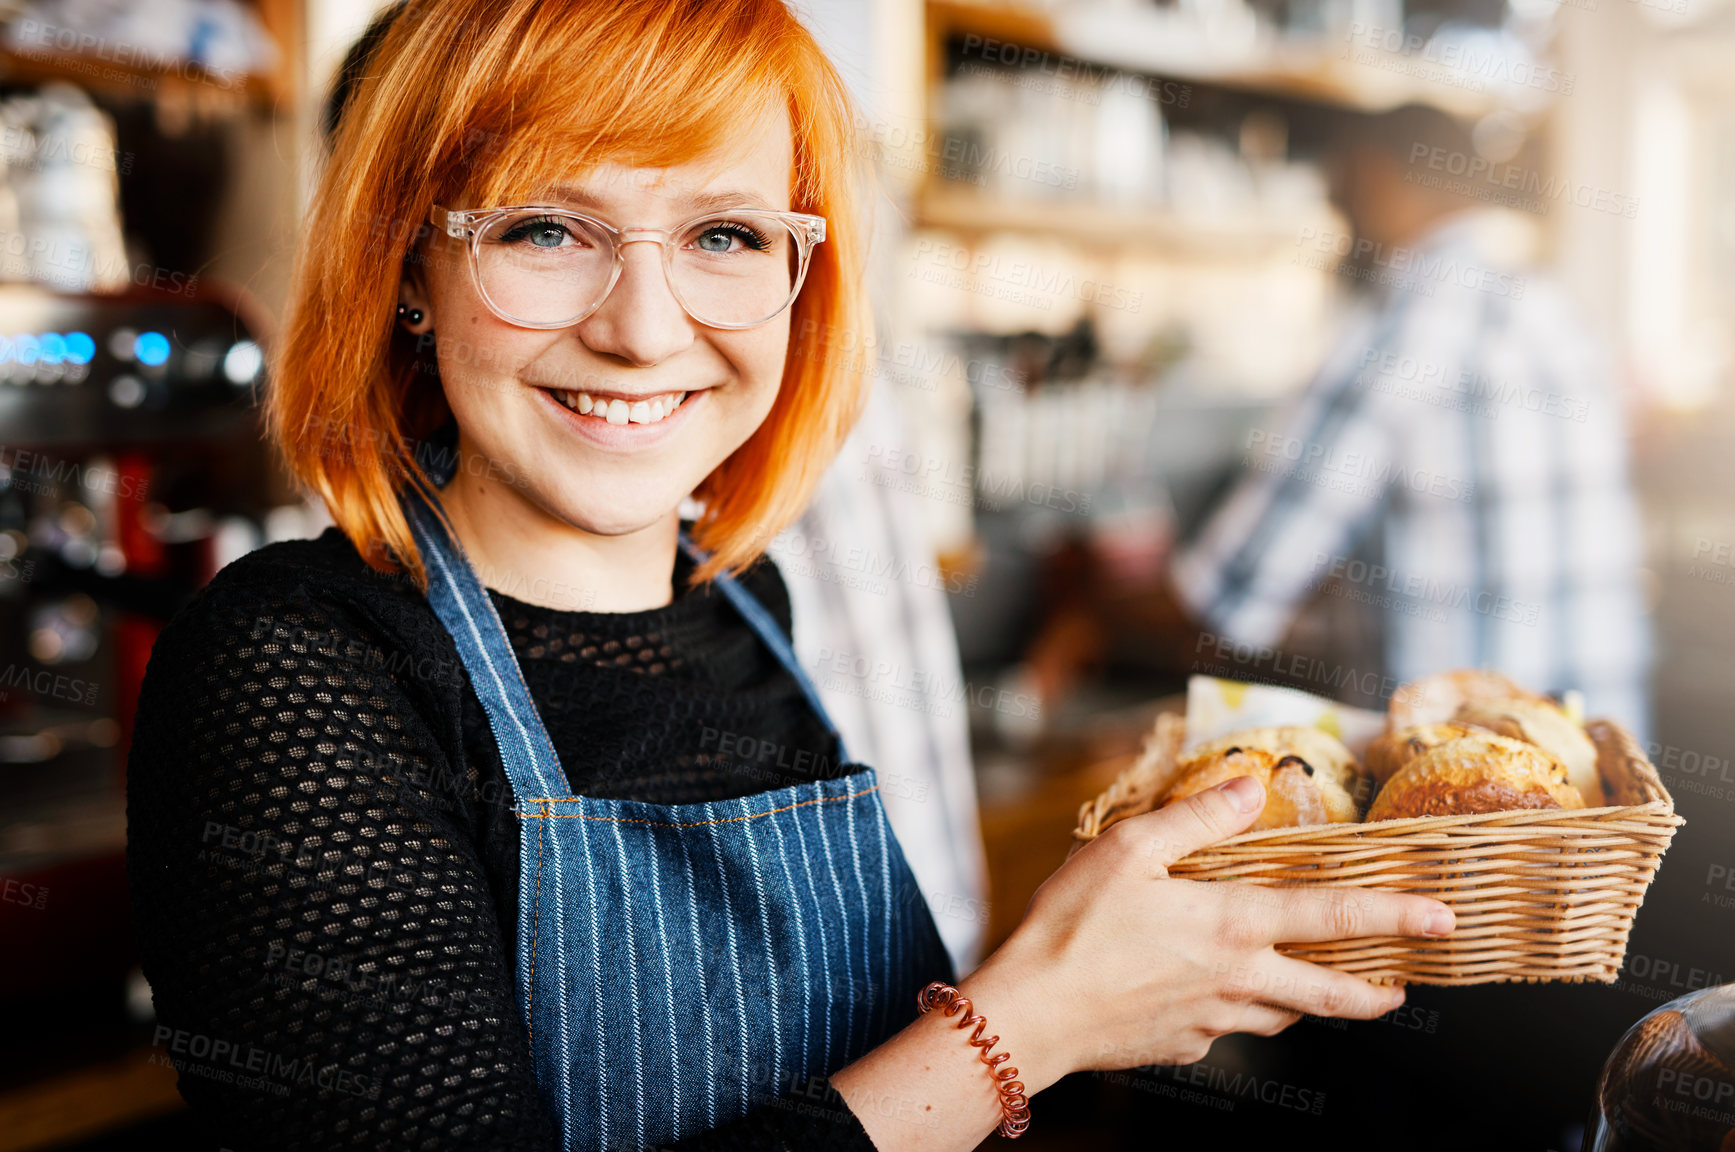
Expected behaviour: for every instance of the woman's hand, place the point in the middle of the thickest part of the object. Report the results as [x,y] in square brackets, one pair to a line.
[1118,965]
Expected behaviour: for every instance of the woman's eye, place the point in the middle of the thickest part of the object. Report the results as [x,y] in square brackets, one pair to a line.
[720,238]
[717,240]
[537,233]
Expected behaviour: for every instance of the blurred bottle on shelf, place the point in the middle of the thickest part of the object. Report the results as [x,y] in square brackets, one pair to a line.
[1100,137]
[60,221]
[1669,1085]
[1131,138]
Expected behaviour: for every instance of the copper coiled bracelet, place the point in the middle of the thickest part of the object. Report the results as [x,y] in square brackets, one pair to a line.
[1015,1110]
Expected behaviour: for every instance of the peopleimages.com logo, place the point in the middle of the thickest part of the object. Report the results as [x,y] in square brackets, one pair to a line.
[244,1065]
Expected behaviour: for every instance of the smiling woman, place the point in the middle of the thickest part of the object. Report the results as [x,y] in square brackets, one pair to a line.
[534,904]
[472,106]
[440,865]
[645,302]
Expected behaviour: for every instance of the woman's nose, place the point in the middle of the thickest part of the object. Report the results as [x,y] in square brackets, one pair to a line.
[640,321]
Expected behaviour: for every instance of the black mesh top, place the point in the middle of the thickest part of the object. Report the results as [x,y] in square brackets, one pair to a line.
[323,860]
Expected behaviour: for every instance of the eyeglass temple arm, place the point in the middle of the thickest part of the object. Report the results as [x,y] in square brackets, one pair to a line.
[453,224]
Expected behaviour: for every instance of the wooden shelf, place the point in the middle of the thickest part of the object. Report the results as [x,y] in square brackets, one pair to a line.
[1104,226]
[122,81]
[118,79]
[1111,37]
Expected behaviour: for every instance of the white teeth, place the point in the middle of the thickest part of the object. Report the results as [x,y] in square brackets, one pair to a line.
[620,411]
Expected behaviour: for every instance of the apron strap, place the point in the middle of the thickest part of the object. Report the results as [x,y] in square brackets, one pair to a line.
[462,604]
[765,626]
[464,607]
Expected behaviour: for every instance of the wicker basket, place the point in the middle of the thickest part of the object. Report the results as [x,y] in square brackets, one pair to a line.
[1539,895]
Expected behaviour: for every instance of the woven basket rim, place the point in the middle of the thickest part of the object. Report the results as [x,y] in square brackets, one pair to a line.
[1610,737]
[1544,818]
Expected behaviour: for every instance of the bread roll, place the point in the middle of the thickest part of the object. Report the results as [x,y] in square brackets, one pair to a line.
[1321,750]
[1297,792]
[1392,751]
[1435,699]
[1480,772]
[1542,723]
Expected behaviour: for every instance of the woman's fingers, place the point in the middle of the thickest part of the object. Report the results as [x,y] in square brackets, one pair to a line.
[1264,1020]
[1301,914]
[1279,981]
[1188,825]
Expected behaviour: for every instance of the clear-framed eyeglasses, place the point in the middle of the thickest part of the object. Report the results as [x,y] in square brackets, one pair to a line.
[543,267]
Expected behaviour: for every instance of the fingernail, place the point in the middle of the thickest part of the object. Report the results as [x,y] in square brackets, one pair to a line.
[1244,792]
[1397,1000]
[1440,922]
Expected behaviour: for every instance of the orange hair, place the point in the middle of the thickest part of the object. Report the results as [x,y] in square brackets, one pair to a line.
[471,102]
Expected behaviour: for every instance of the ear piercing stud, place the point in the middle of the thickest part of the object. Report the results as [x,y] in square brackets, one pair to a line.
[413,315]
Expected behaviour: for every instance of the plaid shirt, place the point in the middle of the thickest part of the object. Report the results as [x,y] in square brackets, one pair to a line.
[1456,472]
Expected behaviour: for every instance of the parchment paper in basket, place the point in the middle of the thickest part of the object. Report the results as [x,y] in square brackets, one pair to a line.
[1216,708]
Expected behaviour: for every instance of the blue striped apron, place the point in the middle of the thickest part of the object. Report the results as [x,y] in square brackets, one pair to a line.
[681,964]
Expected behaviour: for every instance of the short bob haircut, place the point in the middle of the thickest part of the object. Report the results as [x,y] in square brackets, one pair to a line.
[474,102]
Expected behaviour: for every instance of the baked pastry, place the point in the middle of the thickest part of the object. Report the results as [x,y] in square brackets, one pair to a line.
[1542,723]
[1308,775]
[1295,793]
[1435,699]
[1321,750]
[1480,772]
[1392,751]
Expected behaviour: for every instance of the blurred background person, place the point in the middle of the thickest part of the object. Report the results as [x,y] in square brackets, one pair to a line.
[1451,489]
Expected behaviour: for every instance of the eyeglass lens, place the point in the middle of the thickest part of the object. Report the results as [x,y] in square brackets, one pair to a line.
[549,267]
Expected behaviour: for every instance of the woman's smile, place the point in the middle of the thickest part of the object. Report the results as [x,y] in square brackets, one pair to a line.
[622,421]
[622,410]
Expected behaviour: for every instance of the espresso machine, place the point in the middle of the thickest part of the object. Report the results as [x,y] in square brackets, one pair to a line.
[131,467]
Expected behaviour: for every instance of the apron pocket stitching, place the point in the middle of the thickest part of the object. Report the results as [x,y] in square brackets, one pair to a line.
[547,815]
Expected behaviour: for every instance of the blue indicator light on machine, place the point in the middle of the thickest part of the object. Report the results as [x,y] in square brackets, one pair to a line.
[80,348]
[27,350]
[151,348]
[7,349]
[53,347]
